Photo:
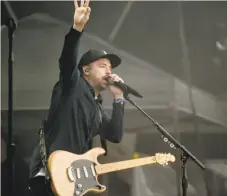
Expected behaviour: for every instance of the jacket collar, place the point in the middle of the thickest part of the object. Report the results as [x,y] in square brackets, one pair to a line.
[89,86]
[99,98]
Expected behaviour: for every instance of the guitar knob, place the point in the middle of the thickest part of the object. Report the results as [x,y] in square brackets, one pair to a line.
[77,192]
[79,186]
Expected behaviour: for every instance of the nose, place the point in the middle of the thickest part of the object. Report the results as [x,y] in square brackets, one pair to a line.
[108,71]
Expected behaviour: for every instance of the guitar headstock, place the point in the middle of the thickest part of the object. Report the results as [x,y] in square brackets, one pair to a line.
[163,158]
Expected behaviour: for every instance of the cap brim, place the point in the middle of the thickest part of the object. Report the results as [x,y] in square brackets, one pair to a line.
[113,58]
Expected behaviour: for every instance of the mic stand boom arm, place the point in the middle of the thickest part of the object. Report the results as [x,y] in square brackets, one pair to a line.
[185,153]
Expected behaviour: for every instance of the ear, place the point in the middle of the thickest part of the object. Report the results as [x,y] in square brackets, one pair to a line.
[86,70]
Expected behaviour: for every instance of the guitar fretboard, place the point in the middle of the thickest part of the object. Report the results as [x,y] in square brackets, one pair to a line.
[111,167]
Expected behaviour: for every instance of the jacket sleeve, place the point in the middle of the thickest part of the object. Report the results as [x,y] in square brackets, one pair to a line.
[68,58]
[112,128]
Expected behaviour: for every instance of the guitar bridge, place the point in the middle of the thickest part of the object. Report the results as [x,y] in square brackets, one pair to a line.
[71,174]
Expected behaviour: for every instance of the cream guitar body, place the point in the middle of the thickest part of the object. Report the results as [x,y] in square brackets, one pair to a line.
[76,175]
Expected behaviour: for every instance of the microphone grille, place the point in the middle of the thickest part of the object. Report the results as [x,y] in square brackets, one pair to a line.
[110,81]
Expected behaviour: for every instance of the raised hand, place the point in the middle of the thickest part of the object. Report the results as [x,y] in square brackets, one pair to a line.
[81,14]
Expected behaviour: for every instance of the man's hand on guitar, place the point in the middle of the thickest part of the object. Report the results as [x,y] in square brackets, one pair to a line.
[81,14]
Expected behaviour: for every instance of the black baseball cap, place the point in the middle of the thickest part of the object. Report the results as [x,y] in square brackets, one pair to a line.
[93,55]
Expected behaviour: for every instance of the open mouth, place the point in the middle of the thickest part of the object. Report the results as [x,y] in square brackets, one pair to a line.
[105,79]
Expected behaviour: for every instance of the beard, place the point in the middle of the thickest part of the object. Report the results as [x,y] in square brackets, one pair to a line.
[103,85]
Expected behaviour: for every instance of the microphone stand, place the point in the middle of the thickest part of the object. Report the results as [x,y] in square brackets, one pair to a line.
[10,145]
[185,155]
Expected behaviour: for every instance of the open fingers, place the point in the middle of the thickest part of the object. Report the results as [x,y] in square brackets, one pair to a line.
[75,4]
[87,3]
[81,3]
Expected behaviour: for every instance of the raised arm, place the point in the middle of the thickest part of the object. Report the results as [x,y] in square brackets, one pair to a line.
[68,58]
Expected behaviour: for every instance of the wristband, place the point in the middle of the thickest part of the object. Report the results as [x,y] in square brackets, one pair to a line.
[119,100]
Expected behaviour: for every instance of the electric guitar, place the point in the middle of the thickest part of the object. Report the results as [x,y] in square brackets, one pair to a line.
[73,174]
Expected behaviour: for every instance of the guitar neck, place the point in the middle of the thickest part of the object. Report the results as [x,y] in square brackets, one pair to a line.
[121,165]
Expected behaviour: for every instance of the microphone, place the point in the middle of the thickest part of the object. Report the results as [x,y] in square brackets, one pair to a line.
[125,88]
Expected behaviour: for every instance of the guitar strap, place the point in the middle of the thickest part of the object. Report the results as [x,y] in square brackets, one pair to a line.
[43,150]
[43,129]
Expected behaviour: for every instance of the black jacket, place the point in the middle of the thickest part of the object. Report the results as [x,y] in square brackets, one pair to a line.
[74,117]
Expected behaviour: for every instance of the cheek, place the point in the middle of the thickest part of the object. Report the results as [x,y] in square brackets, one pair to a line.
[100,73]
[97,76]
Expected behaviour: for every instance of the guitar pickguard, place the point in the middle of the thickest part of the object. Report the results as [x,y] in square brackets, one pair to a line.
[83,175]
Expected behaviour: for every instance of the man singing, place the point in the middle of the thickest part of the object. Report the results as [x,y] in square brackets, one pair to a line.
[76,114]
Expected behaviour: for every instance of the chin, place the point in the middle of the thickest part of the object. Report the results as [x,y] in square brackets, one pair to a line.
[103,87]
